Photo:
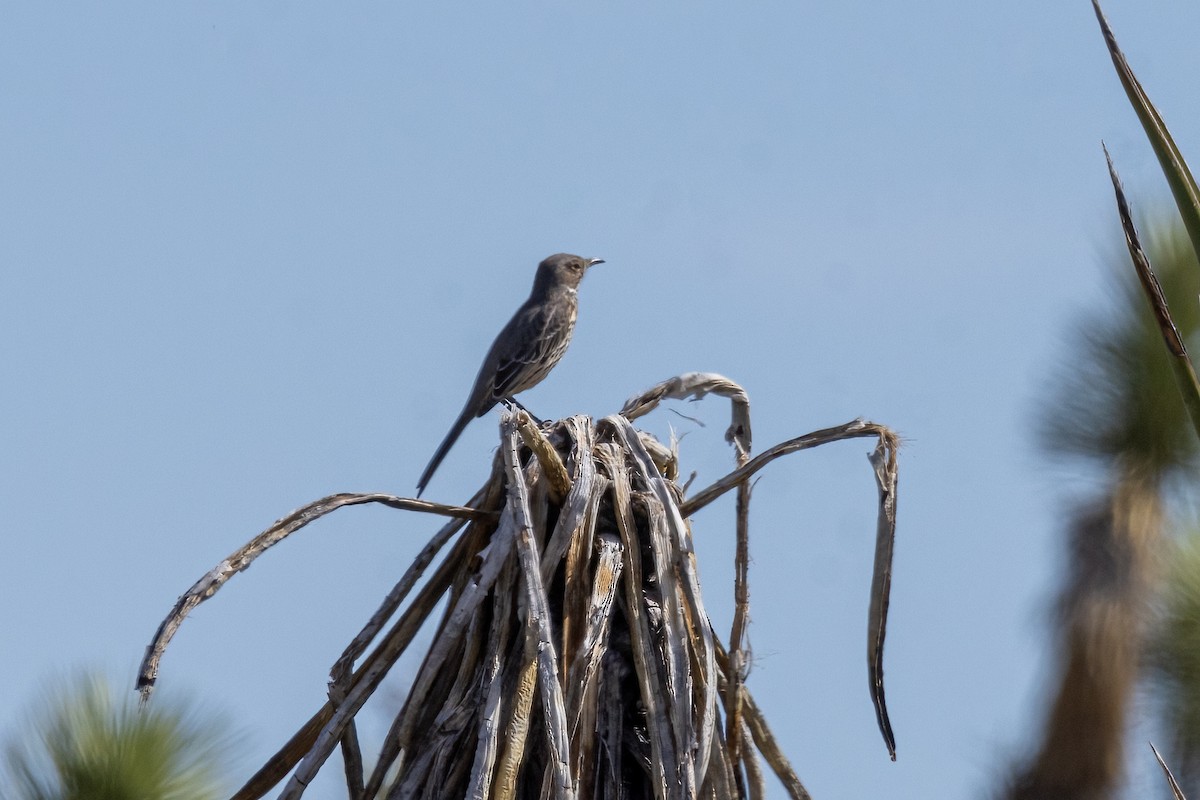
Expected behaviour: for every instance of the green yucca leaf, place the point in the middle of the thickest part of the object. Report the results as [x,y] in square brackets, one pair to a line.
[1183,185]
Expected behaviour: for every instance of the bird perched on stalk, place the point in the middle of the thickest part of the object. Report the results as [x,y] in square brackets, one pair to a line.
[527,348]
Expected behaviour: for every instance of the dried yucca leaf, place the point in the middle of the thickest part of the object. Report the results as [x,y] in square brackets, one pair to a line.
[574,657]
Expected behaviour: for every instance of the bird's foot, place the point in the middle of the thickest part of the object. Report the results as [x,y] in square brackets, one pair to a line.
[511,403]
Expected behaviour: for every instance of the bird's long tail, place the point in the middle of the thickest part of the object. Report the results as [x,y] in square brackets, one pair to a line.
[466,416]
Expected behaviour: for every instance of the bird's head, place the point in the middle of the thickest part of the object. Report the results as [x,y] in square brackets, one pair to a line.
[563,269]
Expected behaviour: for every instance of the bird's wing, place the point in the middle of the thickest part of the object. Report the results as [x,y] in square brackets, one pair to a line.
[525,349]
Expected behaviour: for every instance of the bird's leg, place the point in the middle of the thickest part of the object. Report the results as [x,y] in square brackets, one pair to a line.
[509,402]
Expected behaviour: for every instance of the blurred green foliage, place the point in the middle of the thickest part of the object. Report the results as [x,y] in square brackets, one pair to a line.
[1116,399]
[82,743]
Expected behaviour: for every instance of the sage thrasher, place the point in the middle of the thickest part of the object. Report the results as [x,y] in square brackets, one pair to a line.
[528,347]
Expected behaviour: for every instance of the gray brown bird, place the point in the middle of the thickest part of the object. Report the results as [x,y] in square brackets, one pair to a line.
[528,347]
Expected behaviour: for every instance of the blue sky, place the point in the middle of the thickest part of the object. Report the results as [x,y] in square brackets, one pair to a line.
[253,254]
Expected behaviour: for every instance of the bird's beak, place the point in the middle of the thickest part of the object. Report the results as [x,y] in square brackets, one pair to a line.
[594,261]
